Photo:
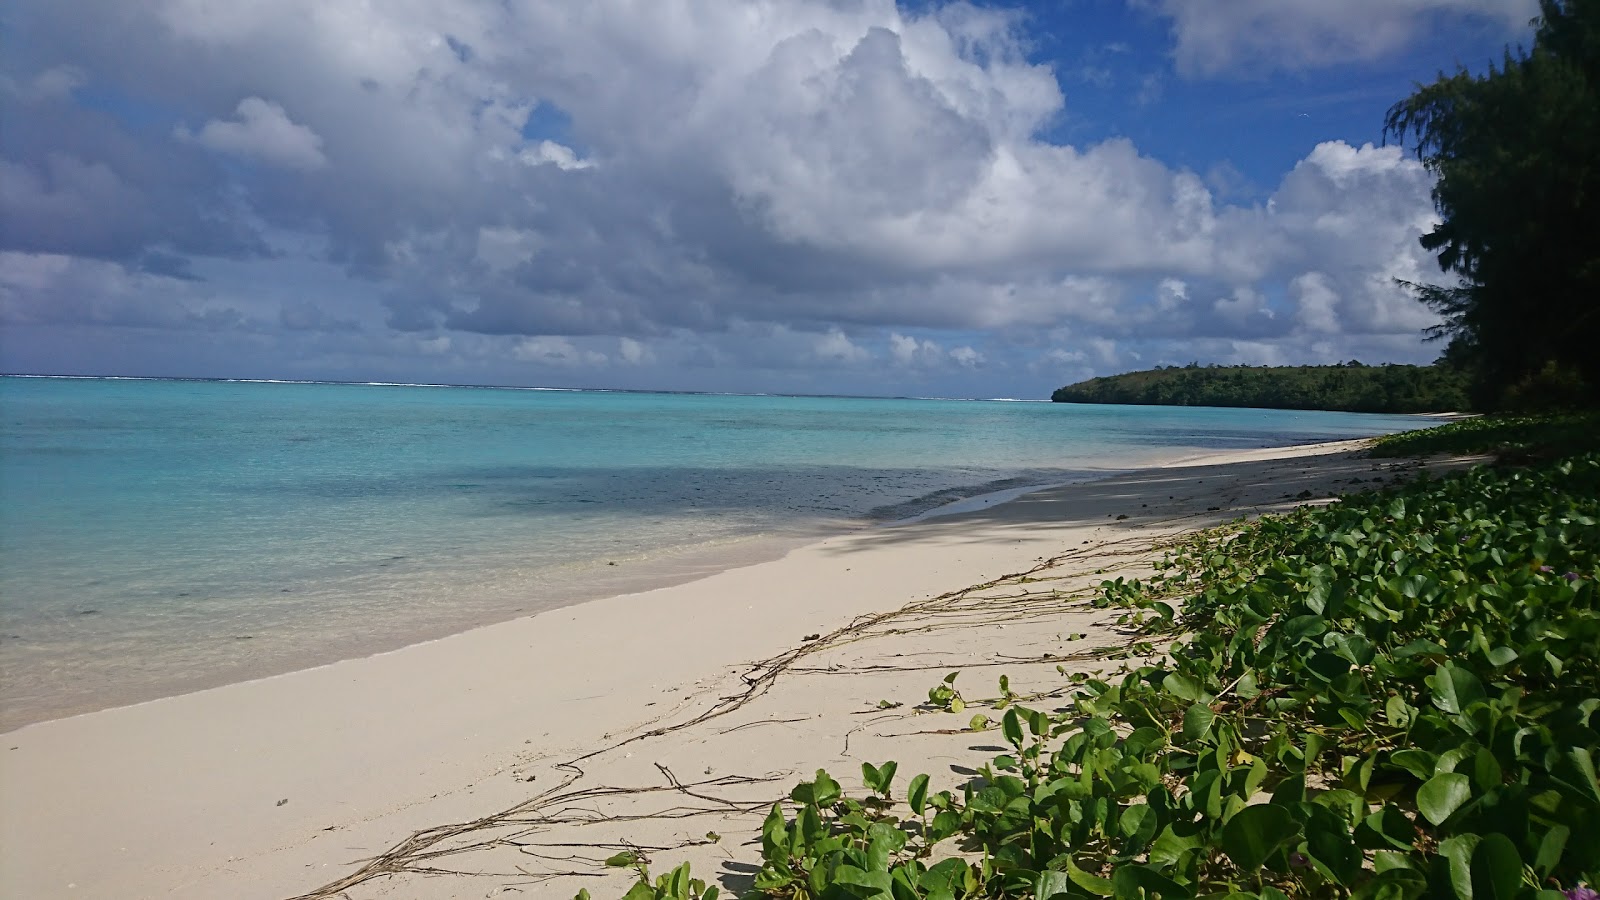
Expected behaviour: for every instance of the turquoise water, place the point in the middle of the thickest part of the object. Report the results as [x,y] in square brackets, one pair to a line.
[159,536]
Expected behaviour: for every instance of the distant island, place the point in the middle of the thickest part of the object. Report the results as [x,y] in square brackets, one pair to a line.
[1347,387]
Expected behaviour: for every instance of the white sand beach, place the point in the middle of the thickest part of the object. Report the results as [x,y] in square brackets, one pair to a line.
[519,734]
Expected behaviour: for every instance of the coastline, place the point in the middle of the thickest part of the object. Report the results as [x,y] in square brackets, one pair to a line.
[581,581]
[180,797]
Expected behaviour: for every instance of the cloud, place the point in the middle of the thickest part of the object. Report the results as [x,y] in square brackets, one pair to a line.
[556,351]
[680,186]
[558,155]
[835,347]
[1212,38]
[263,132]
[909,352]
[633,352]
[55,83]
[966,357]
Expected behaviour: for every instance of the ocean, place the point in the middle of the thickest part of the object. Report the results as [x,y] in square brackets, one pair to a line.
[158,536]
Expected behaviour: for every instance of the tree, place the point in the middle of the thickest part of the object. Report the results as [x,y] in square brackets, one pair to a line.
[1516,152]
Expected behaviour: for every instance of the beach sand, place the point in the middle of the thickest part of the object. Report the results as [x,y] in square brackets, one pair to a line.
[528,732]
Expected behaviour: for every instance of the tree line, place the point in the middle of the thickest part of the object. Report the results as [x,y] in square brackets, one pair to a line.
[1351,387]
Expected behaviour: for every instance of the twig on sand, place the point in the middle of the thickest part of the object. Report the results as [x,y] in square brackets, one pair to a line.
[567,804]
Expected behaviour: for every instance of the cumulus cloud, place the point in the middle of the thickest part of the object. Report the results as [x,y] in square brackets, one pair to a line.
[907,351]
[262,131]
[633,352]
[678,184]
[836,347]
[966,357]
[1212,38]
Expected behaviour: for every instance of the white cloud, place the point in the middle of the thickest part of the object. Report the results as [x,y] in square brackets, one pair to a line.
[263,131]
[1317,303]
[546,350]
[1171,295]
[966,357]
[794,182]
[553,154]
[836,347]
[1214,37]
[633,352]
[908,352]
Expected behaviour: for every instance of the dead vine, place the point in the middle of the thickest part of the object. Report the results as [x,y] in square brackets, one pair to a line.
[419,853]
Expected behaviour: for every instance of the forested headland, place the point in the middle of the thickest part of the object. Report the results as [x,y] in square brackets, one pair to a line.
[1351,387]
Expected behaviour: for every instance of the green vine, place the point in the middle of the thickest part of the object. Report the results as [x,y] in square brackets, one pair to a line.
[1394,696]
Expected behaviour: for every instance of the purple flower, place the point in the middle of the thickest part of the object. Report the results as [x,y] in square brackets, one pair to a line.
[1299,861]
[1581,892]
[1574,576]
[1546,569]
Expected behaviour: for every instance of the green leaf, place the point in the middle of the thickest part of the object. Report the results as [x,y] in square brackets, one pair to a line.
[1387,826]
[1255,832]
[1551,846]
[946,823]
[1420,763]
[1094,884]
[1442,795]
[1399,714]
[1170,845]
[861,883]
[1496,868]
[1328,843]
[886,775]
[947,875]
[1051,883]
[1197,721]
[878,779]
[1575,769]
[1133,882]
[1455,688]
[1183,687]
[917,794]
[1353,647]
[1301,628]
[1457,852]
[826,790]
[1393,884]
[1011,727]
[640,891]
[869,776]
[774,844]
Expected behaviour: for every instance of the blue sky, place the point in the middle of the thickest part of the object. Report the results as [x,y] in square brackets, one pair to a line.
[787,195]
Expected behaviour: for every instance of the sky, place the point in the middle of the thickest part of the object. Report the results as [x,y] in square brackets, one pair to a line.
[799,196]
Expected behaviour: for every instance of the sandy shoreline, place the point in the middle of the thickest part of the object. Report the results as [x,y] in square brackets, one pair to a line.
[274,788]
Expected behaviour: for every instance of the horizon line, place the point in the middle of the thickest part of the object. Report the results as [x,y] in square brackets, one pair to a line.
[514,387]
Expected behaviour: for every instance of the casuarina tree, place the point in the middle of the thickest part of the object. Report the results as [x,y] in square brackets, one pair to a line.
[1516,152]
